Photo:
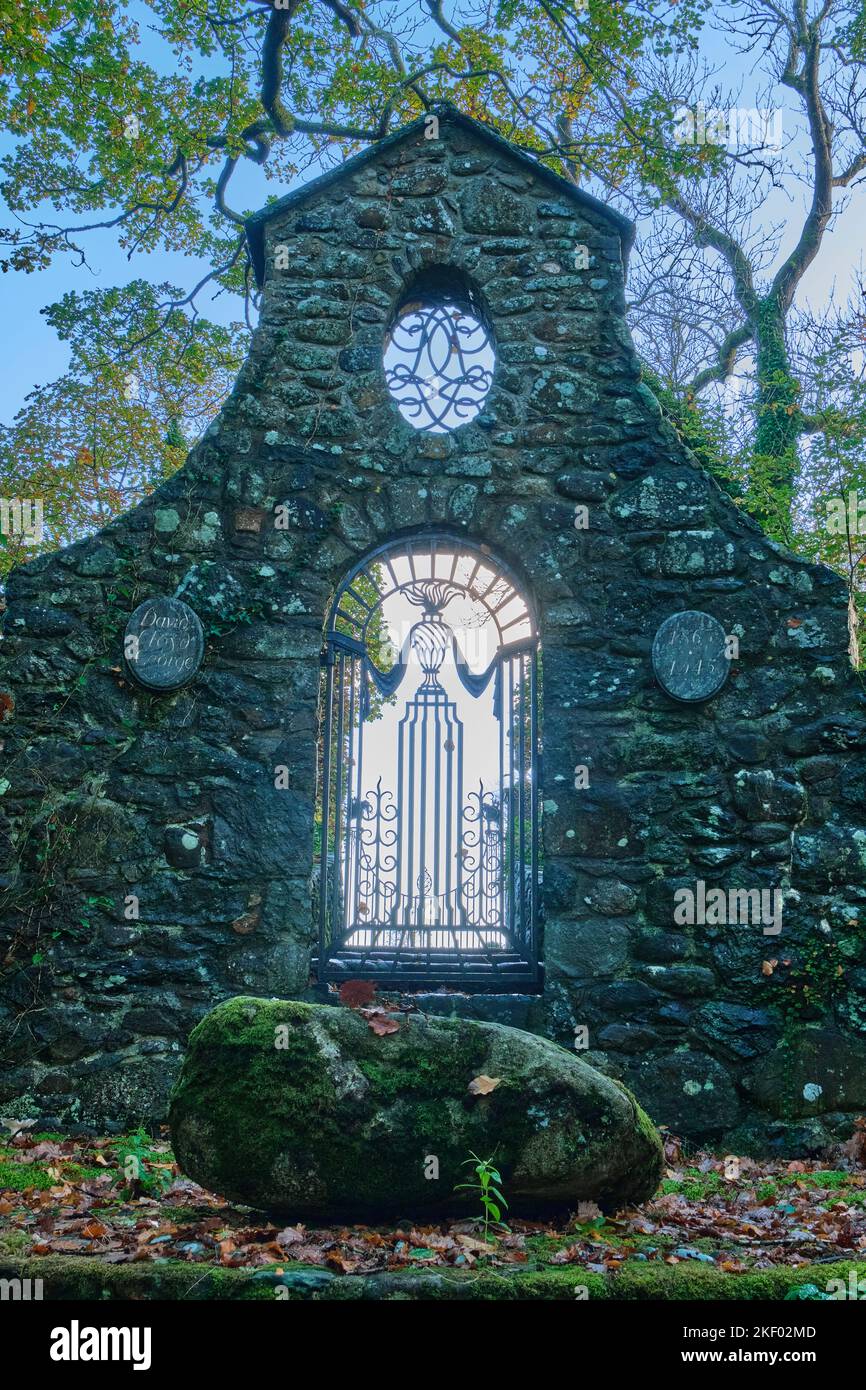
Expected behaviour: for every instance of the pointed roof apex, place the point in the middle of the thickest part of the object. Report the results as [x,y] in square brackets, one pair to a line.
[448,115]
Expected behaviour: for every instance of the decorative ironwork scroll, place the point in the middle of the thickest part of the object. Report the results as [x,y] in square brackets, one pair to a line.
[438,365]
[425,878]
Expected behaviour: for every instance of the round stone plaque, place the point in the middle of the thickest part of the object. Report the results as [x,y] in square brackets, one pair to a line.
[689,658]
[163,644]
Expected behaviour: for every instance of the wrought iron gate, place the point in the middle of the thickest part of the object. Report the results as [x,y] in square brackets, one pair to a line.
[428,874]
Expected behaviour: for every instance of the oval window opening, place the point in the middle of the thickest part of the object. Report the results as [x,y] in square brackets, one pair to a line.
[439,362]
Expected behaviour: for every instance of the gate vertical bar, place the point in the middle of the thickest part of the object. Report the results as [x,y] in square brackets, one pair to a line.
[512,867]
[535,754]
[324,934]
[337,913]
[350,915]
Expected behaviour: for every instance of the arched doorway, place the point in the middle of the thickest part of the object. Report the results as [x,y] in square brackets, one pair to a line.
[429,860]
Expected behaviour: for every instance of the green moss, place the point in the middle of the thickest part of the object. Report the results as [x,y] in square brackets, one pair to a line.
[68,1277]
[183,1216]
[234,1053]
[235,1069]
[829,1177]
[689,1280]
[14,1242]
[695,1185]
[430,1074]
[20,1177]
[650,1134]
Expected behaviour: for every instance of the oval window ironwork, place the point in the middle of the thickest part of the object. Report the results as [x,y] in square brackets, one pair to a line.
[438,362]
[429,864]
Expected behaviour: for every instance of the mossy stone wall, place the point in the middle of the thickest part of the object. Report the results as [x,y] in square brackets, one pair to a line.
[115,794]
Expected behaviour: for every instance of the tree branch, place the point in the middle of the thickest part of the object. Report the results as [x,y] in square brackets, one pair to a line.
[724,365]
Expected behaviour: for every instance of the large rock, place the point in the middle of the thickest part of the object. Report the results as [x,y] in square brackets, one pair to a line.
[303,1110]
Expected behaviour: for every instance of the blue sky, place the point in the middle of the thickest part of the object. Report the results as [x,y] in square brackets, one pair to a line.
[35,356]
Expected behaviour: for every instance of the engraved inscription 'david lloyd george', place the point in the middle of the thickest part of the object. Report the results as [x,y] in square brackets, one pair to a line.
[163,644]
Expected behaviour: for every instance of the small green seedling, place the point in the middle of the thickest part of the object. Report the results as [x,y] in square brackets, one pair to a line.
[144,1174]
[490,1197]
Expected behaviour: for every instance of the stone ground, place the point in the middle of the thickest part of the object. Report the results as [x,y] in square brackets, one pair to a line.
[71,1214]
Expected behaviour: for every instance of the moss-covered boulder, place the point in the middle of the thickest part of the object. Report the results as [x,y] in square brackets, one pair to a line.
[303,1110]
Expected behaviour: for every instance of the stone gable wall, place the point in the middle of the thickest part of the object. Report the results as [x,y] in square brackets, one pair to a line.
[171,798]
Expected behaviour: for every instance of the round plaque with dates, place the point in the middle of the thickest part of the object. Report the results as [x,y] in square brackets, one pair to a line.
[163,644]
[689,656]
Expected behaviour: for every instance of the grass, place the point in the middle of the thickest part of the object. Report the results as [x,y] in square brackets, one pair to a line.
[22,1177]
[698,1186]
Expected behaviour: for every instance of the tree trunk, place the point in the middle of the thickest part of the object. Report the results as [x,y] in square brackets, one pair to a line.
[777,424]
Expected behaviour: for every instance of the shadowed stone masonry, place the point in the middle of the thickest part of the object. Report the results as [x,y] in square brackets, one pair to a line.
[152,865]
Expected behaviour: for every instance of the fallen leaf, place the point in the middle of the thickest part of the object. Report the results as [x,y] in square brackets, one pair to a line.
[478,1247]
[338,1262]
[355,994]
[565,1256]
[379,1022]
[308,1254]
[292,1235]
[483,1085]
